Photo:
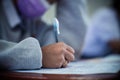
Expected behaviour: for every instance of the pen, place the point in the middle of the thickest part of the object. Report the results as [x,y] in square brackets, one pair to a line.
[56,29]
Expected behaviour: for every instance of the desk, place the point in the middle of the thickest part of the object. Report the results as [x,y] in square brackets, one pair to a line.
[37,76]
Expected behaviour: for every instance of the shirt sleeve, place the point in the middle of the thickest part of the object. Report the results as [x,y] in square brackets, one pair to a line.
[107,25]
[103,28]
[23,55]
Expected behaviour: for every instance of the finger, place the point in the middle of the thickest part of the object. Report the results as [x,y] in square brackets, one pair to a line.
[69,56]
[65,64]
[70,49]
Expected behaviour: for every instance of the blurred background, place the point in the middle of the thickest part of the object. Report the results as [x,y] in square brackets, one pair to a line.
[91,7]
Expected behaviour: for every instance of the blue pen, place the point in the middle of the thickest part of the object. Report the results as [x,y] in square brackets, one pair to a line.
[56,28]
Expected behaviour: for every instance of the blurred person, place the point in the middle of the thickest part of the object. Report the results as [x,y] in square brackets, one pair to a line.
[70,14]
[103,34]
[19,22]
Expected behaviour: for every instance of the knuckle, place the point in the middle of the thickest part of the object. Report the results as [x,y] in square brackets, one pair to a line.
[62,43]
[58,65]
[62,50]
[65,65]
[60,60]
[72,58]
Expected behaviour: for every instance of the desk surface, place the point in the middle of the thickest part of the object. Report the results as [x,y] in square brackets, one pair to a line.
[36,76]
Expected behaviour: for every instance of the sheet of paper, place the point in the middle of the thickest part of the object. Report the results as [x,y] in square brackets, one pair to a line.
[85,67]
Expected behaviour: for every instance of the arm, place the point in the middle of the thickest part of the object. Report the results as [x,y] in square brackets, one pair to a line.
[103,29]
[27,55]
[23,55]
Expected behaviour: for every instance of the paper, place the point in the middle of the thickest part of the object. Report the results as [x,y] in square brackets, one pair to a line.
[85,67]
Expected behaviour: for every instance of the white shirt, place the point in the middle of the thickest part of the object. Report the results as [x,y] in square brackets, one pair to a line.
[103,28]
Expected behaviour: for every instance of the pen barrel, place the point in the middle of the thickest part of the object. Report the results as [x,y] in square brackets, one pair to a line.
[56,36]
[56,29]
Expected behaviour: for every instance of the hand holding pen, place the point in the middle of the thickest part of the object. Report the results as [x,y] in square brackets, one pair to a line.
[58,54]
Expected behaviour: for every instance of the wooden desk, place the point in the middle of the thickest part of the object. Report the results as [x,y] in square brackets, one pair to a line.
[36,76]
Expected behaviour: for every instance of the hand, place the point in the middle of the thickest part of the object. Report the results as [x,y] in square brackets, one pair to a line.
[57,55]
[115,45]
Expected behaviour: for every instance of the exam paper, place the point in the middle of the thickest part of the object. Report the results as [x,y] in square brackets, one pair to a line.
[85,67]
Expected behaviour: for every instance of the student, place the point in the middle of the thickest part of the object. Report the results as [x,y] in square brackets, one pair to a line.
[103,34]
[19,20]
[72,24]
